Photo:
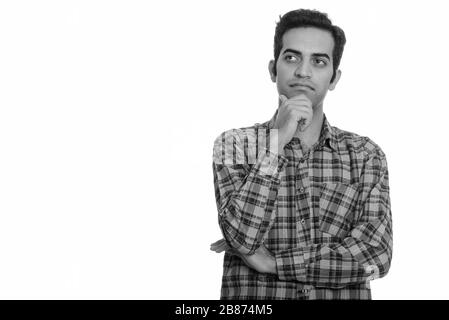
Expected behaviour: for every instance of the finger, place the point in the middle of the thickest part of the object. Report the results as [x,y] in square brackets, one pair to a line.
[303,100]
[282,98]
[301,97]
[300,106]
[298,96]
[216,243]
[300,110]
[217,250]
[219,246]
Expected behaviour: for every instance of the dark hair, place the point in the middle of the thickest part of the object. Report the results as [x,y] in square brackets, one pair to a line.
[309,18]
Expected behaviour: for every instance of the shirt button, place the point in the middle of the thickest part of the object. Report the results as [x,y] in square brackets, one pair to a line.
[301,189]
[303,221]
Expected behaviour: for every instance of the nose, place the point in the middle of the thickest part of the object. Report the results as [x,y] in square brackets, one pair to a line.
[303,70]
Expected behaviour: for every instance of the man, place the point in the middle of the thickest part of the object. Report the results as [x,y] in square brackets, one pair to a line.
[303,206]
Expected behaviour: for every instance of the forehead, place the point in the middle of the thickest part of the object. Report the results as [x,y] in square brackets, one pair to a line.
[308,40]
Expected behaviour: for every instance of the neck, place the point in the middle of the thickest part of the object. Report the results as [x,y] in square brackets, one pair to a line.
[311,135]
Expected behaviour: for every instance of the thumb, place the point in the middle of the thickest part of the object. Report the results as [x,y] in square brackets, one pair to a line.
[282,99]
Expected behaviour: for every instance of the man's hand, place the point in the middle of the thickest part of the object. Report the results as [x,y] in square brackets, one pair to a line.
[220,246]
[262,260]
[291,113]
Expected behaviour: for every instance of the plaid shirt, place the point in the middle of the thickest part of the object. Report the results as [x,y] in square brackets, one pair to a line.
[324,213]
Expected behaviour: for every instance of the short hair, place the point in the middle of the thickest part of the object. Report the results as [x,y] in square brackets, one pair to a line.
[309,18]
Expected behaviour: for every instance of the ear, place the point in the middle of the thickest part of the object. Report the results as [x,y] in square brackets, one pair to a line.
[271,67]
[333,84]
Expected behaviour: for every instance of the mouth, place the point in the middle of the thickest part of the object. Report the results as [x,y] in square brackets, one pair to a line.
[301,86]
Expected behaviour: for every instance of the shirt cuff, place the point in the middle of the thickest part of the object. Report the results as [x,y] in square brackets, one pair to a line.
[291,265]
[270,163]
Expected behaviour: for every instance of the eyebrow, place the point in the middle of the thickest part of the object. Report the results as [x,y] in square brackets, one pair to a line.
[313,54]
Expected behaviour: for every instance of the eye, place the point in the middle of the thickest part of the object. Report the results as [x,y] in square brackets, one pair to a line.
[319,62]
[290,58]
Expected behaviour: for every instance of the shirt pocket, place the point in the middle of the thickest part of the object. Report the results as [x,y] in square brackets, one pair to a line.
[337,208]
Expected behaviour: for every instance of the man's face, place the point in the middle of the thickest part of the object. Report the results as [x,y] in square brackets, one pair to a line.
[305,64]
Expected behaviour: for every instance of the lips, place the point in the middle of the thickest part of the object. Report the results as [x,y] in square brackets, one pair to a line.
[303,86]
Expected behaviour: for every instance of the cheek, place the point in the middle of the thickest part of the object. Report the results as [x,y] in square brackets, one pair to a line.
[283,70]
[284,77]
[324,81]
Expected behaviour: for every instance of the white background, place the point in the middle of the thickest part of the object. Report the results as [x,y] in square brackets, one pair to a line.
[109,110]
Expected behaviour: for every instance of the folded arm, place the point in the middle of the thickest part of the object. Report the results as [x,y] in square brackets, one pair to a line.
[363,255]
[245,192]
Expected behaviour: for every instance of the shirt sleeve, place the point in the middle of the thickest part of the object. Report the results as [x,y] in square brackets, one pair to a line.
[245,190]
[364,255]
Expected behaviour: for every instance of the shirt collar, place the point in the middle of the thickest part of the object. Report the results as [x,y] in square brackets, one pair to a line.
[327,135]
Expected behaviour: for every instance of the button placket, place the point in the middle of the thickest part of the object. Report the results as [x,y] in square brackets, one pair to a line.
[302,189]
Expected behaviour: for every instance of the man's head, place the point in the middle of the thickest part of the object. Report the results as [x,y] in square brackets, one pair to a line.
[307,50]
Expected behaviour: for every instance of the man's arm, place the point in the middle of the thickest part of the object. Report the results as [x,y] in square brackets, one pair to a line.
[365,254]
[245,194]
[262,260]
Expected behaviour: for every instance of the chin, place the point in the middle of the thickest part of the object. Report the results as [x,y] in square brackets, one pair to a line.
[295,93]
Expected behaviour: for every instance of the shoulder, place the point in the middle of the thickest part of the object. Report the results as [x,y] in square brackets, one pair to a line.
[235,145]
[237,134]
[361,145]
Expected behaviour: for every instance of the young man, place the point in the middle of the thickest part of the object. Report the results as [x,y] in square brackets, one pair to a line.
[304,207]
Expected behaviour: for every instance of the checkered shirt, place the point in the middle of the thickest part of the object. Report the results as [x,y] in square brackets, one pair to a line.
[323,213]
